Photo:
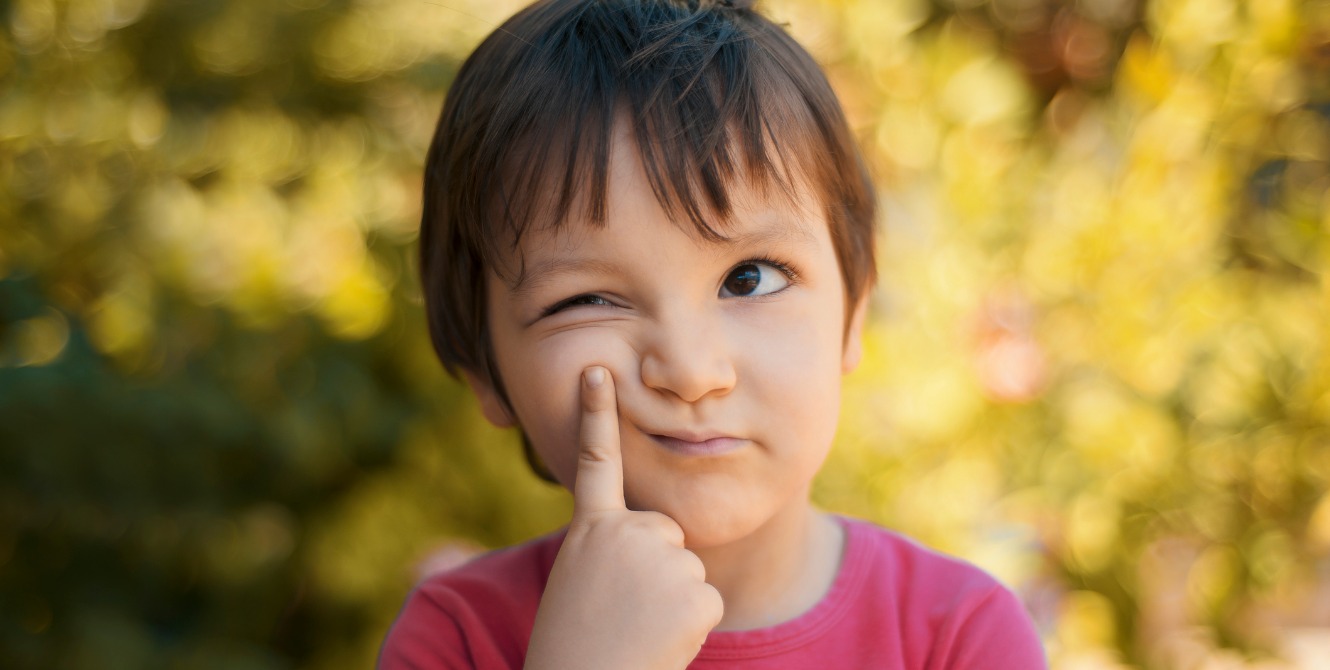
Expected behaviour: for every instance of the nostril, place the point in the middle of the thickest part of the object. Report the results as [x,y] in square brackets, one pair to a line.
[688,377]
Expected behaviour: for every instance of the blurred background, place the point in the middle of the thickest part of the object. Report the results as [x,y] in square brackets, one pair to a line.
[1098,363]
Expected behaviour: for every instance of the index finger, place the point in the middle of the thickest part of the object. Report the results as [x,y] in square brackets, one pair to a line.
[599,483]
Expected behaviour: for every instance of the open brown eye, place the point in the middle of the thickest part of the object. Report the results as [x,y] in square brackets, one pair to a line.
[744,279]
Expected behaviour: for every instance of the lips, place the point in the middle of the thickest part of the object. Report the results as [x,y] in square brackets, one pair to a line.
[698,444]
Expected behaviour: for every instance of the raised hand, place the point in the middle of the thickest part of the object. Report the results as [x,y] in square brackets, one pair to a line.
[624,592]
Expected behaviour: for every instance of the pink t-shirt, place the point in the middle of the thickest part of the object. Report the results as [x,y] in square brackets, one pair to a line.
[894,605]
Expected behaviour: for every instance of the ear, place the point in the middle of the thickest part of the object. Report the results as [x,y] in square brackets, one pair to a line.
[492,405]
[853,349]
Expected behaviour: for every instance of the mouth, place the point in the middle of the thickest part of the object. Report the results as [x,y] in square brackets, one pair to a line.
[698,444]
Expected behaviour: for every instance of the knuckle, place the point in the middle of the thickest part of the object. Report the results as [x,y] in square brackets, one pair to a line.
[581,526]
[599,403]
[706,605]
[715,604]
[598,415]
[658,520]
[594,452]
[699,568]
[595,522]
[664,524]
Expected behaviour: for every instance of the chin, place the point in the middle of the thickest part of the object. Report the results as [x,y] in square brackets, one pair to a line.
[707,526]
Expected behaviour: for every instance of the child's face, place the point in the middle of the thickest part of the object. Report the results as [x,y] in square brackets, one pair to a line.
[703,339]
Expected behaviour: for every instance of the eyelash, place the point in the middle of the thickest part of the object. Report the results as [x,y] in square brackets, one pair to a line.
[790,274]
[568,302]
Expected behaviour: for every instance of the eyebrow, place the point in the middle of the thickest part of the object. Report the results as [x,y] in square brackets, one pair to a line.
[547,270]
[550,268]
[795,233]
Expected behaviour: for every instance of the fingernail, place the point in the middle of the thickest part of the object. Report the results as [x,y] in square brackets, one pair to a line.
[594,376]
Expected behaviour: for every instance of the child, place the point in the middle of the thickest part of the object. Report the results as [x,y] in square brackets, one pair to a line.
[647,241]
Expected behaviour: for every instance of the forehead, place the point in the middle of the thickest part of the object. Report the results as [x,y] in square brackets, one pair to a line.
[605,250]
[773,206]
[759,213]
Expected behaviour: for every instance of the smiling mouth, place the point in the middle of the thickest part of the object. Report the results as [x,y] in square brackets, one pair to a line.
[703,447]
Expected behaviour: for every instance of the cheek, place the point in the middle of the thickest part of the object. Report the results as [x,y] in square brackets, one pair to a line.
[796,345]
[547,395]
[796,366]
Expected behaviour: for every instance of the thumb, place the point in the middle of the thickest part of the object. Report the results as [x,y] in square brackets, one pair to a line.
[599,483]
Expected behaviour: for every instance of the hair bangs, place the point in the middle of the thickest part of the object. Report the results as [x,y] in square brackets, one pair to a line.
[704,103]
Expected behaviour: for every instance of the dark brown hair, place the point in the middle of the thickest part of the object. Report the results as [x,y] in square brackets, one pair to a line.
[713,92]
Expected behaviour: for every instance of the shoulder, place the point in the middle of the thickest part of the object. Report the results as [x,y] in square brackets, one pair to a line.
[947,608]
[507,575]
[912,567]
[476,615]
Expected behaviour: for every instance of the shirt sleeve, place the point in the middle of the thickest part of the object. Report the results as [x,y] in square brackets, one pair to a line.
[425,637]
[995,633]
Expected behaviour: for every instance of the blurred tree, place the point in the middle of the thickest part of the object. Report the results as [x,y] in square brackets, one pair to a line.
[209,335]
[1107,299]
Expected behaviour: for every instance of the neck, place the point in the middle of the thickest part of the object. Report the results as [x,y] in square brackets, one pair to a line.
[777,572]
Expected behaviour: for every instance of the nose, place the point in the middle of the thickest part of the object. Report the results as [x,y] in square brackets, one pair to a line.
[688,358]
